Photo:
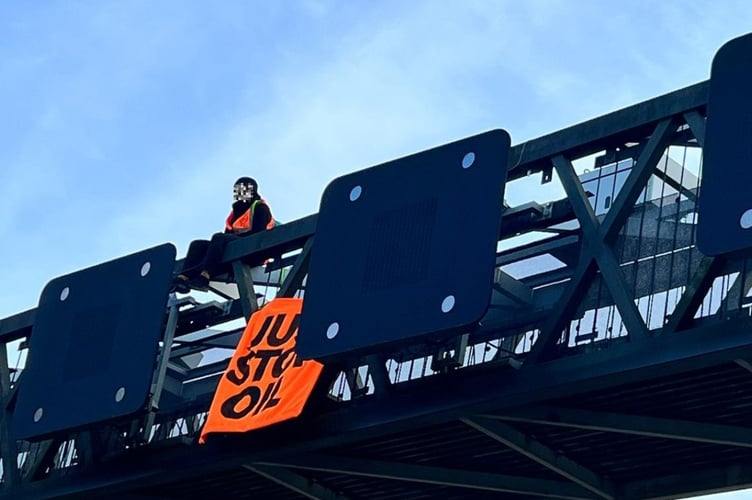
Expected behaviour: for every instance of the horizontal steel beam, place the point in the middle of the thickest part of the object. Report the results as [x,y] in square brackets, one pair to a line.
[226,340]
[639,425]
[439,476]
[16,326]
[295,482]
[542,454]
[624,125]
[266,244]
[699,482]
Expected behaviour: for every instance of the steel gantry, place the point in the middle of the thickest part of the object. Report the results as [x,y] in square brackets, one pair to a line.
[614,360]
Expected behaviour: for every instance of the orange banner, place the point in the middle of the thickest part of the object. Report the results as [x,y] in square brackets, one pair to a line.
[265,382]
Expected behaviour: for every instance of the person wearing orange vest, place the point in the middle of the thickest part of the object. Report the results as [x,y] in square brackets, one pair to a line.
[250,214]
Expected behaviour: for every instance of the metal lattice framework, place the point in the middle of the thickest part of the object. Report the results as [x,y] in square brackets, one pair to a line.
[613,362]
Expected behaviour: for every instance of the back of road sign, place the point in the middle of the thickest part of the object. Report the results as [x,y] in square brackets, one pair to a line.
[725,204]
[93,345]
[405,249]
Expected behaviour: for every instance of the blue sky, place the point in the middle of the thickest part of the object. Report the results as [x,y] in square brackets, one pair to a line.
[124,124]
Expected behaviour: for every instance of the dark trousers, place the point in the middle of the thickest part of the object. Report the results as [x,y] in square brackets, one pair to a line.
[206,255]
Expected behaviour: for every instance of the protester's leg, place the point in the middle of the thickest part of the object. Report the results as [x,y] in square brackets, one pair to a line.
[191,265]
[212,262]
[195,257]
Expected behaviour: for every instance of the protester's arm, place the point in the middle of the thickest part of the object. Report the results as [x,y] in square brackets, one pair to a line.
[261,217]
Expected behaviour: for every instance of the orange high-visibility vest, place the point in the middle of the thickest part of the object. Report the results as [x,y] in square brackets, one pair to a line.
[243,223]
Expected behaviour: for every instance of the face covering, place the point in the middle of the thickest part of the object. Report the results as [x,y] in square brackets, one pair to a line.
[243,192]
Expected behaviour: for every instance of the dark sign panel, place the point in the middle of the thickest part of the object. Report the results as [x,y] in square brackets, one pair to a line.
[405,249]
[94,343]
[725,204]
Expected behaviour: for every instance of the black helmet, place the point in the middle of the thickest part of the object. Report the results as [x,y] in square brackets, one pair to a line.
[247,180]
